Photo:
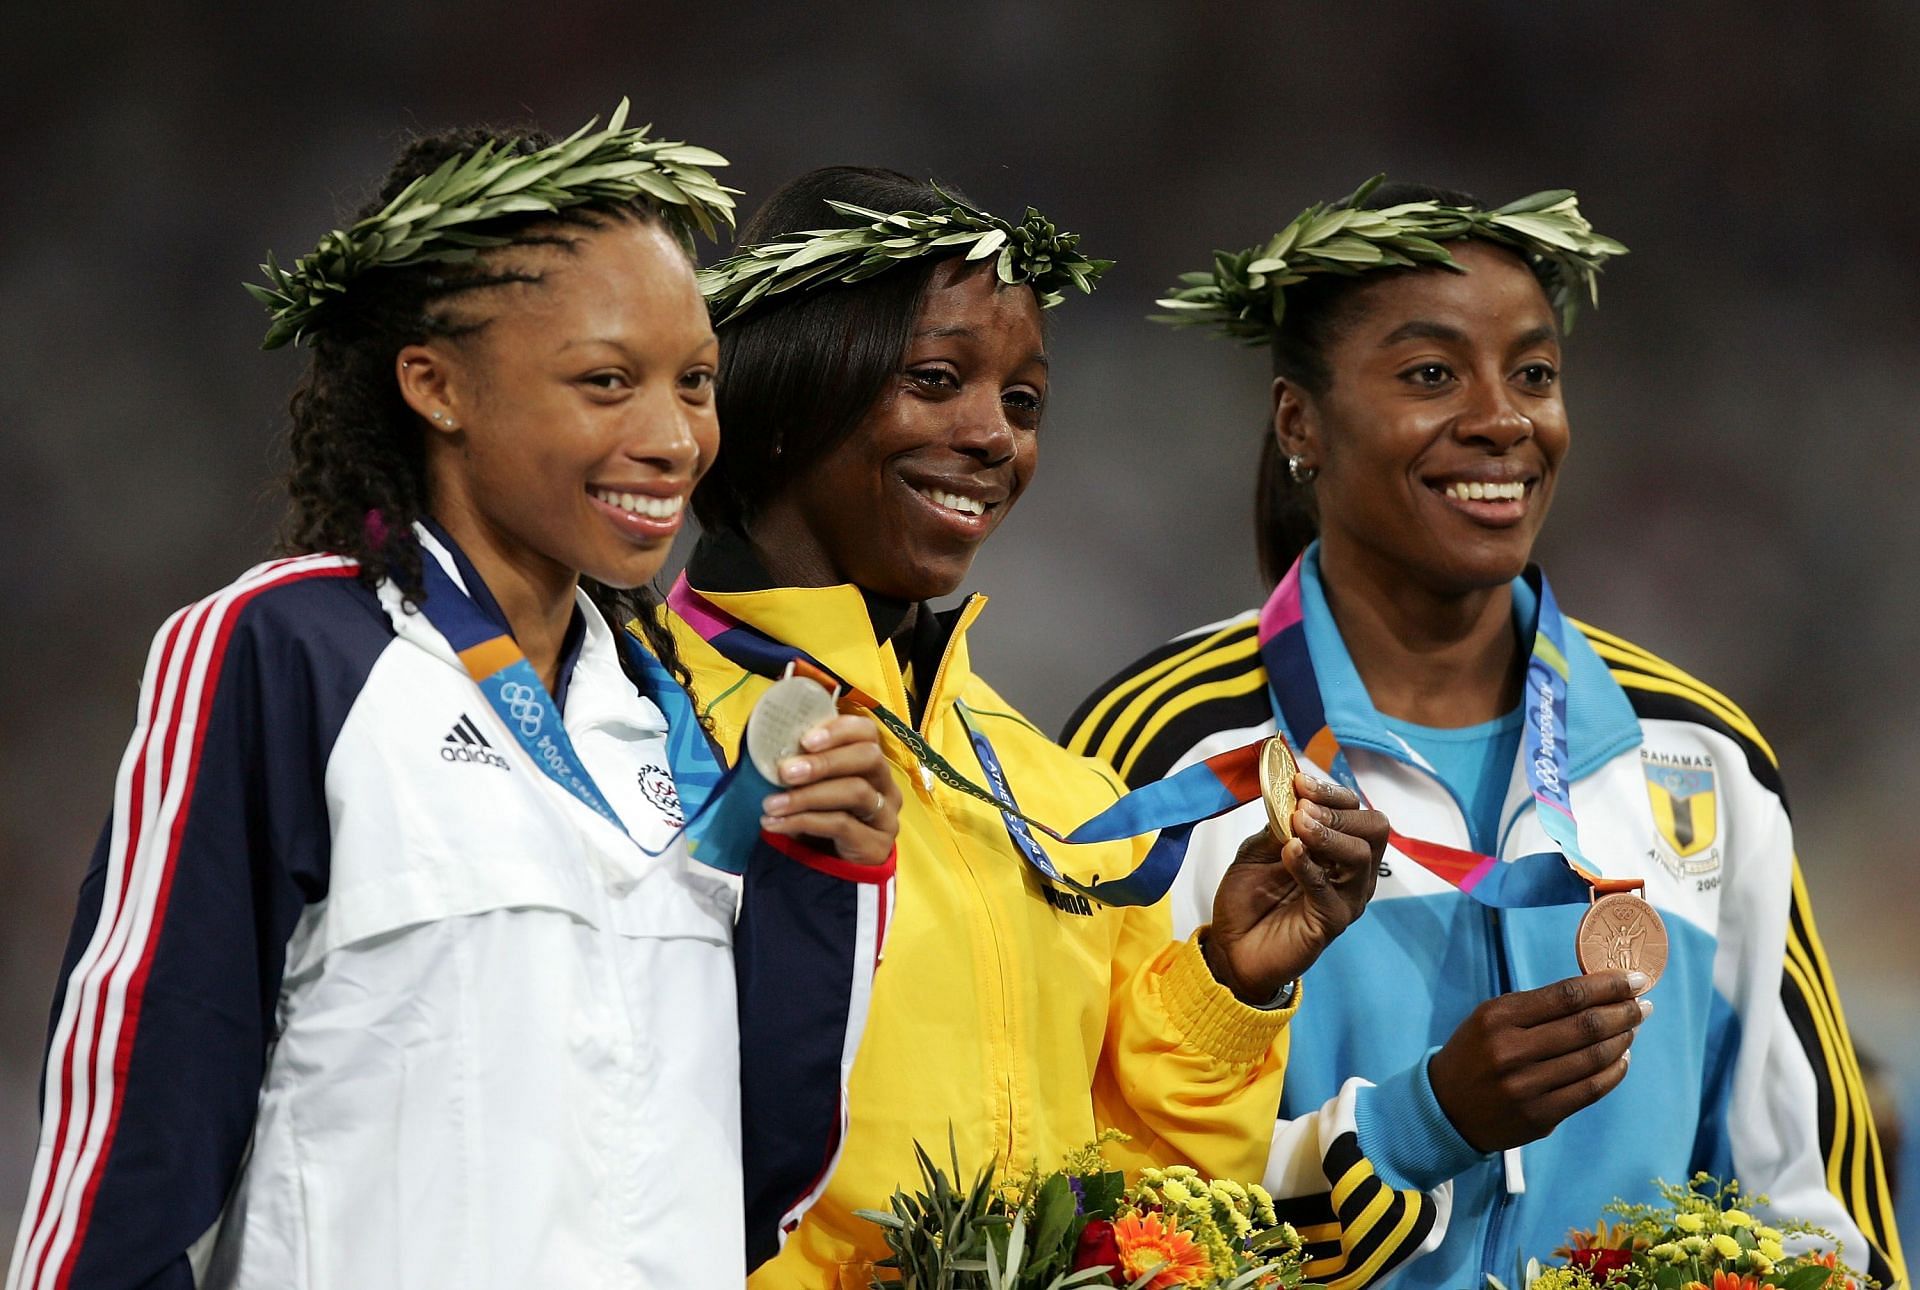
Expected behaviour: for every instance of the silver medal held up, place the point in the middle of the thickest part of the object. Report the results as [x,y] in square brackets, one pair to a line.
[791,706]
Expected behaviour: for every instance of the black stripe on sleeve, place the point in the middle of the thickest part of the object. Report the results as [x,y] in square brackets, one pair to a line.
[1649,705]
[1130,680]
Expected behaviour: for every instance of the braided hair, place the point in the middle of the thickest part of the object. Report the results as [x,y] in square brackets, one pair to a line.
[358,479]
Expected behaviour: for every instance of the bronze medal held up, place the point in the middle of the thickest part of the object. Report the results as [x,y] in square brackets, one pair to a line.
[1277,768]
[1622,932]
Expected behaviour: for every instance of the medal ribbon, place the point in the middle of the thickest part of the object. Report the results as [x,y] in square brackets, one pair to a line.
[1565,877]
[721,806]
[1172,805]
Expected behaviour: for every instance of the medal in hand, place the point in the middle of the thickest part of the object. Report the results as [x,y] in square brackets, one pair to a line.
[1277,768]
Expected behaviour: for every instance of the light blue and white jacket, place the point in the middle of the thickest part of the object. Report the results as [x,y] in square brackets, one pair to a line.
[1744,1068]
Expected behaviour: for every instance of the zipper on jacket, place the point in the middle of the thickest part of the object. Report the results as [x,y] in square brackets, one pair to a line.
[1004,1026]
[1491,1258]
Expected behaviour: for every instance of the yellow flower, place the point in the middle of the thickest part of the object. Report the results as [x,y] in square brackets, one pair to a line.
[1735,1218]
[1231,1195]
[1695,1245]
[1762,1232]
[1689,1222]
[1726,1246]
[1174,1193]
[1667,1250]
[1771,1249]
[1760,1264]
[1561,1279]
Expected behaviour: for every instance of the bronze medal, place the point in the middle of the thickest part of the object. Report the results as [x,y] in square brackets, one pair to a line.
[1277,768]
[1622,932]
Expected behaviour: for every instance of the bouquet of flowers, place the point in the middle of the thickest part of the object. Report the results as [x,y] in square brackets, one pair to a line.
[1084,1225]
[1701,1238]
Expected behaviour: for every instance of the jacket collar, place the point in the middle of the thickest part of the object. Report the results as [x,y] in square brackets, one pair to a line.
[843,627]
[1600,720]
[589,647]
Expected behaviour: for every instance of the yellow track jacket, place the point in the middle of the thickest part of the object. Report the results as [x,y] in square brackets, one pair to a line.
[1019,1016]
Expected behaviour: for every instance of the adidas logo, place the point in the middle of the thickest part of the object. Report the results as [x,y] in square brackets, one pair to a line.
[465,743]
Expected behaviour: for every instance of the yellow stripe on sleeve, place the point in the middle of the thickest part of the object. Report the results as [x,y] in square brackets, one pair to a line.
[1737,720]
[1389,1249]
[1145,676]
[1245,683]
[1127,733]
[1864,1192]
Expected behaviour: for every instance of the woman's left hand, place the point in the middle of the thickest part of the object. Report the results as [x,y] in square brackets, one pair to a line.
[840,790]
[1278,907]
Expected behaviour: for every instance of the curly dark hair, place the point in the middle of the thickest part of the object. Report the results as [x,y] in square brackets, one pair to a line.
[358,478]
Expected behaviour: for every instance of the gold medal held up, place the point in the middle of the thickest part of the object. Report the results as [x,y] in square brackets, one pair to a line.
[1277,768]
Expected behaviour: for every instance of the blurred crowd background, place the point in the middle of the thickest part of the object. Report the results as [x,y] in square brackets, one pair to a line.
[1742,403]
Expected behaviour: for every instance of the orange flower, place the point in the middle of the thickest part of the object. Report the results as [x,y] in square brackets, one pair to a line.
[1148,1241]
[1831,1259]
[1727,1281]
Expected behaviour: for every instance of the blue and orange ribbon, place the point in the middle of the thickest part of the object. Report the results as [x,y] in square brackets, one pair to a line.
[1172,805]
[1545,878]
[721,805]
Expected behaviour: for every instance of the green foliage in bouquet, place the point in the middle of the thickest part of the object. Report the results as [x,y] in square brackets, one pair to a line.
[1702,1237]
[1082,1225]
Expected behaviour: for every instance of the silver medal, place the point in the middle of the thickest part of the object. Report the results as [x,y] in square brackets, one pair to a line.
[790,707]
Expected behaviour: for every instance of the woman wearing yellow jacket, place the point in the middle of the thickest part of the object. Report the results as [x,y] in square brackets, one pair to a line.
[884,377]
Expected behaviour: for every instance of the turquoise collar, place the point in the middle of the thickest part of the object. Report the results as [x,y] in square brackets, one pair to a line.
[1600,721]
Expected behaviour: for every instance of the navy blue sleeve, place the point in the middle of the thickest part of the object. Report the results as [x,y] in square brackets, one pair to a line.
[805,948]
[165,1009]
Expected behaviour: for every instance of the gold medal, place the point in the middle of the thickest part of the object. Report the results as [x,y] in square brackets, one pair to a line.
[1277,768]
[1622,932]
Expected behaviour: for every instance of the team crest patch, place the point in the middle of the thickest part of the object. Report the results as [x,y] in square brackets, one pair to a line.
[657,784]
[1683,791]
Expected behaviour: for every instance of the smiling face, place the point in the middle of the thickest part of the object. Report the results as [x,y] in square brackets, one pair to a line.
[1440,435]
[902,504]
[572,425]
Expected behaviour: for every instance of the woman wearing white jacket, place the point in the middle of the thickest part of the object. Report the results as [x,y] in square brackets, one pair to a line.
[392,968]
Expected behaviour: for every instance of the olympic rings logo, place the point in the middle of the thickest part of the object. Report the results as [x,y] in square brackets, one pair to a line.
[523,704]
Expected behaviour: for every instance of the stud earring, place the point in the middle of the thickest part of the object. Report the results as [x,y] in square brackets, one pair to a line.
[1298,470]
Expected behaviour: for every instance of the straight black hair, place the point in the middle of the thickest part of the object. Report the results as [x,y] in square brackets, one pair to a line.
[799,371]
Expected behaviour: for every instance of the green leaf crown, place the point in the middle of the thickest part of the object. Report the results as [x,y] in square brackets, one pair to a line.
[442,218]
[1244,296]
[1032,251]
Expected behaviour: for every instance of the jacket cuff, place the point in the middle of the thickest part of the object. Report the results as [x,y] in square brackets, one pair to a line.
[1209,1017]
[828,863]
[1405,1134]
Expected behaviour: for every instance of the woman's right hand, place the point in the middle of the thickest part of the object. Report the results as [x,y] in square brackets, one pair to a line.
[1521,1063]
[840,790]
